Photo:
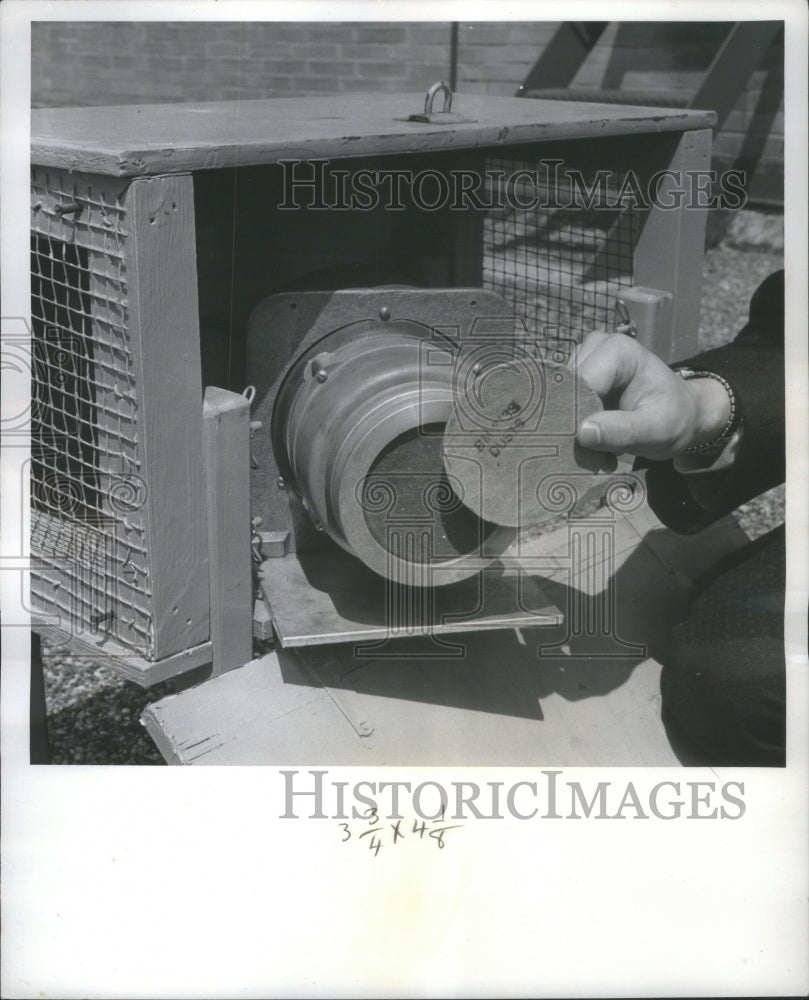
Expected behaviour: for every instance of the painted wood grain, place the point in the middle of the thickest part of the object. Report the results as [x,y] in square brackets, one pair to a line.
[226,437]
[669,253]
[166,138]
[164,327]
[120,659]
[273,713]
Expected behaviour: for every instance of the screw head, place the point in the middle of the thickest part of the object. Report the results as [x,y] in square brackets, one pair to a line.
[384,313]
[322,375]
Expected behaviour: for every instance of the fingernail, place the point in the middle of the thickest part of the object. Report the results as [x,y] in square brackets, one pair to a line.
[589,434]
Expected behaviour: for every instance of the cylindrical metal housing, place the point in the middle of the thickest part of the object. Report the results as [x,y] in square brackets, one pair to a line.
[358,432]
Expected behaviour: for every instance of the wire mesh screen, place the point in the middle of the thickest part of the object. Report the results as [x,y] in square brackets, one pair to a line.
[89,536]
[561,262]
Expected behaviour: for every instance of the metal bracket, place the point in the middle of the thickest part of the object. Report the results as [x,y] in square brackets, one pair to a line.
[645,314]
[623,321]
[446,116]
[327,670]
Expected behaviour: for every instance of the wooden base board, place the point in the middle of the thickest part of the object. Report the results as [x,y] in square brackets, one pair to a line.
[516,697]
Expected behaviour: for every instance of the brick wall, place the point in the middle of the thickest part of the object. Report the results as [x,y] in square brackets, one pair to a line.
[131,62]
[126,62]
[672,59]
[494,58]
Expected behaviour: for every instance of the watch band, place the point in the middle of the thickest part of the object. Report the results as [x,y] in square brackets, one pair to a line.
[730,427]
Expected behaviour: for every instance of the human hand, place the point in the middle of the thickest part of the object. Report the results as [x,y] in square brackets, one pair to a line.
[652,412]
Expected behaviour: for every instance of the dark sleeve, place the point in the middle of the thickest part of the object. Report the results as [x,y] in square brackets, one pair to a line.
[753,365]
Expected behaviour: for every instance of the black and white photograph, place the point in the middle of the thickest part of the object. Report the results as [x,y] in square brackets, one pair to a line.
[369,293]
[404,471]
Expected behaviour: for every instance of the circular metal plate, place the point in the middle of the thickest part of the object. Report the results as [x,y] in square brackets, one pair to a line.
[511,440]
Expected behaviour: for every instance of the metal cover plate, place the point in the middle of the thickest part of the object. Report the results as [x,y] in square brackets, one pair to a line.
[326,597]
[511,439]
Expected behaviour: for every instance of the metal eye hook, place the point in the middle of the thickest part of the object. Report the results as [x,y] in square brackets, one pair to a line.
[443,117]
[435,89]
[623,321]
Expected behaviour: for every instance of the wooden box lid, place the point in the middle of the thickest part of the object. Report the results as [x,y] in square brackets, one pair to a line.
[133,140]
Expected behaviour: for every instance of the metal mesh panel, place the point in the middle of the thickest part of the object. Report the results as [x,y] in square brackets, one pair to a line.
[561,268]
[89,537]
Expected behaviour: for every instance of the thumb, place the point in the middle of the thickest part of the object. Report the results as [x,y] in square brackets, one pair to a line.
[615,430]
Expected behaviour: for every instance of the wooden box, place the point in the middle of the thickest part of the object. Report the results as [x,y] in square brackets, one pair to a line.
[156,230]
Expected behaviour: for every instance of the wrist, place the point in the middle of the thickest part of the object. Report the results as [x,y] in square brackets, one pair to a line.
[714,408]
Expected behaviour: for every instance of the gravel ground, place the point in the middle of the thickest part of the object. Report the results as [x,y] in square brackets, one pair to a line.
[93,715]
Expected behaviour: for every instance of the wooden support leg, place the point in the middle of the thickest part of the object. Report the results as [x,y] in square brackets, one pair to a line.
[226,437]
[669,254]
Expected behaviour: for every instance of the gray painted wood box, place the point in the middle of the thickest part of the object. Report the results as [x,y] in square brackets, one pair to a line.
[156,230]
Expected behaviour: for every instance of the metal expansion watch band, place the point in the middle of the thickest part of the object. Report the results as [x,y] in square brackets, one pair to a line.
[730,427]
